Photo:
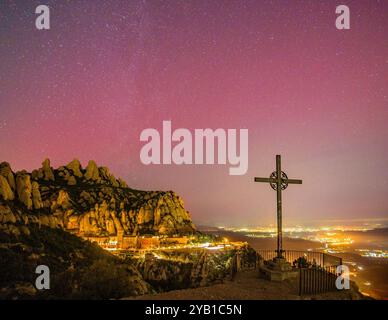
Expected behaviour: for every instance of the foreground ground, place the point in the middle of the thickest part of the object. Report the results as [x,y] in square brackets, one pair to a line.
[245,286]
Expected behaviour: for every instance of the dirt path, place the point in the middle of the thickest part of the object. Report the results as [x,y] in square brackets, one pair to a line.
[245,286]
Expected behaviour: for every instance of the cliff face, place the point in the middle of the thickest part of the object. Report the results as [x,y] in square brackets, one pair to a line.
[87,201]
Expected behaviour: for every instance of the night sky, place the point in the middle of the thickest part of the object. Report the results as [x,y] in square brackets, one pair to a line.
[107,70]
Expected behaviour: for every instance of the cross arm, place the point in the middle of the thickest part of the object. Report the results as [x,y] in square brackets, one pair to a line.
[269,180]
[294,181]
[263,180]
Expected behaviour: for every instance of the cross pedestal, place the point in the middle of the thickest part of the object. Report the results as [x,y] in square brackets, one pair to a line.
[279,269]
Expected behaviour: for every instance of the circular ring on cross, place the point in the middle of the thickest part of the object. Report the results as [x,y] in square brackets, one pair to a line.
[283,184]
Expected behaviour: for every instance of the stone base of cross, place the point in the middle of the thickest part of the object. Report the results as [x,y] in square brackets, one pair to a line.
[278,269]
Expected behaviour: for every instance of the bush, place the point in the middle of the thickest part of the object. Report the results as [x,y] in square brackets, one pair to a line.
[104,280]
[11,267]
[301,262]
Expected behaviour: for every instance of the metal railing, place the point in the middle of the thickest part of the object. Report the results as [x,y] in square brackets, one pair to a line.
[320,259]
[317,280]
[317,273]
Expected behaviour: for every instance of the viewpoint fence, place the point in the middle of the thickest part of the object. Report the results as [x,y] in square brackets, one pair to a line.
[317,280]
[319,259]
[318,272]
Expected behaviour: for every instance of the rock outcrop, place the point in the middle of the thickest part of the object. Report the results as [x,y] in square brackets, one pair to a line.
[75,166]
[48,173]
[89,202]
[36,198]
[92,172]
[24,188]
[5,189]
[6,172]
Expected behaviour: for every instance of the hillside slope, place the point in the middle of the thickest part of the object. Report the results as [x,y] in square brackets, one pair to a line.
[78,268]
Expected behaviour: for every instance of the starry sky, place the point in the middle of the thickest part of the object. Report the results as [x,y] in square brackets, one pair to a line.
[106,70]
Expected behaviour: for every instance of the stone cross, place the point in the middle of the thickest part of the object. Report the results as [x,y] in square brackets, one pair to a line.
[279,181]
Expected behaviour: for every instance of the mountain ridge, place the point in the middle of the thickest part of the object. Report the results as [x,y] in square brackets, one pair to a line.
[87,202]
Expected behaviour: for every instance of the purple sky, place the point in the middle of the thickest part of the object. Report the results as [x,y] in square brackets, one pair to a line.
[104,72]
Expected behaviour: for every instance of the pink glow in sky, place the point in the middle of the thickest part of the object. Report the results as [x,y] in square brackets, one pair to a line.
[104,72]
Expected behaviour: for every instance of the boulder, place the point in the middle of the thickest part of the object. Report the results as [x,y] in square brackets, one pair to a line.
[71,181]
[113,181]
[48,173]
[6,172]
[92,172]
[63,199]
[75,166]
[110,227]
[122,183]
[104,173]
[6,215]
[36,197]
[88,225]
[5,189]
[36,174]
[24,188]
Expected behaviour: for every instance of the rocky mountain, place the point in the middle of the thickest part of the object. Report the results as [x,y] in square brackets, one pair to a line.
[86,201]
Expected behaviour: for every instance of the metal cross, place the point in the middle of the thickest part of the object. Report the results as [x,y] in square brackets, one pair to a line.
[279,181]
